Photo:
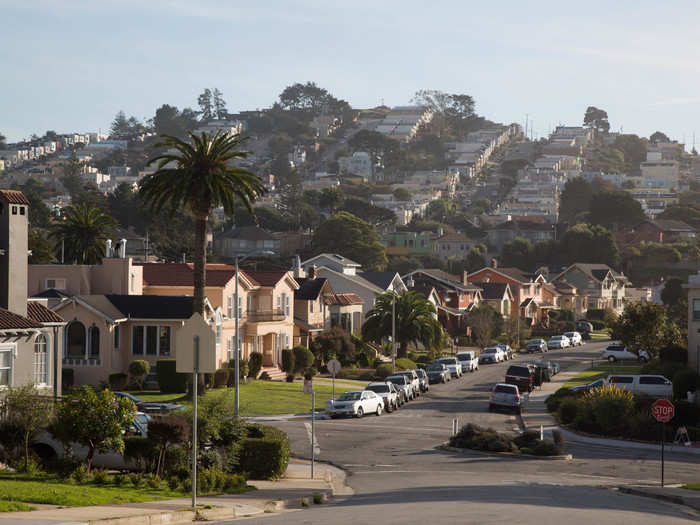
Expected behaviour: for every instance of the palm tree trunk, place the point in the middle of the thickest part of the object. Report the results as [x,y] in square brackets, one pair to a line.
[200,263]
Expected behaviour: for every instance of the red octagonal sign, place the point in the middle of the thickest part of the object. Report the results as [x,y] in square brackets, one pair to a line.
[662,410]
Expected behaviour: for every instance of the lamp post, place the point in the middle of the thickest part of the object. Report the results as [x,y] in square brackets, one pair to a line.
[393,332]
[237,357]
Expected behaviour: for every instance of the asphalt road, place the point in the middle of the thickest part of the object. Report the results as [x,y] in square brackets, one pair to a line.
[399,476]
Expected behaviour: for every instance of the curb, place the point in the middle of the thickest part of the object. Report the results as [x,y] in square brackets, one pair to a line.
[564,457]
[671,498]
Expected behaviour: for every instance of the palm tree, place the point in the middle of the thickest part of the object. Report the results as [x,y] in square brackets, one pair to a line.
[83,232]
[198,177]
[415,321]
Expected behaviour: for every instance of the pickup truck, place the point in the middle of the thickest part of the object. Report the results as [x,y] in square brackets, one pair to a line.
[652,385]
[521,376]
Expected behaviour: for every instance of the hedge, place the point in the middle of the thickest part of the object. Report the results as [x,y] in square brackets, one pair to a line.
[264,454]
[255,364]
[118,381]
[67,379]
[405,364]
[169,381]
[383,370]
[686,380]
[221,377]
[288,361]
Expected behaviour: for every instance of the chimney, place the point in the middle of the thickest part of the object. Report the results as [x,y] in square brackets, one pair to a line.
[494,263]
[108,248]
[14,247]
[312,272]
[465,280]
[122,249]
[296,267]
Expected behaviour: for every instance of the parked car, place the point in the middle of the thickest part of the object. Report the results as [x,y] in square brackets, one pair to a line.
[403,385]
[423,378]
[558,341]
[412,376]
[505,395]
[388,393]
[453,365]
[492,354]
[584,326]
[536,345]
[507,351]
[590,386]
[652,385]
[438,373]
[619,352]
[574,338]
[521,376]
[468,360]
[356,404]
[151,407]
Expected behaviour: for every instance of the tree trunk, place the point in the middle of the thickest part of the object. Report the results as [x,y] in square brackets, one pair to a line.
[88,459]
[200,263]
[403,349]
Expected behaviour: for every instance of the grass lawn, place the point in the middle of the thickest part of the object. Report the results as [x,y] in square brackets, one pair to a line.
[691,486]
[17,489]
[600,334]
[259,398]
[590,375]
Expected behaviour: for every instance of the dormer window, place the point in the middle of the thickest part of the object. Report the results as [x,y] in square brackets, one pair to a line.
[14,210]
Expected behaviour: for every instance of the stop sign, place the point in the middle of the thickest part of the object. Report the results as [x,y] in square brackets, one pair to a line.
[662,410]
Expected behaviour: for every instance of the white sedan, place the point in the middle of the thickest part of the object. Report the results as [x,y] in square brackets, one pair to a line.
[558,341]
[356,404]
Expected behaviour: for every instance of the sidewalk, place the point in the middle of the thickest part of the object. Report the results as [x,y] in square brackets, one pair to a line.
[689,498]
[270,497]
[536,415]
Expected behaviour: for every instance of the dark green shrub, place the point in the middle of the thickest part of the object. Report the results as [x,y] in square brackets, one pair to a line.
[686,380]
[527,450]
[176,460]
[138,370]
[264,453]
[610,408]
[643,426]
[169,380]
[422,359]
[383,371]
[673,353]
[119,479]
[557,397]
[686,414]
[153,481]
[558,439]
[136,479]
[67,379]
[405,364]
[547,447]
[309,373]
[527,439]
[173,483]
[211,458]
[142,451]
[255,364]
[221,377]
[303,359]
[288,361]
[118,381]
[80,474]
[568,409]
[100,476]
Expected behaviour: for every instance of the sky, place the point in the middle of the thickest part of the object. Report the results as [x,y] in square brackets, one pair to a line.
[71,65]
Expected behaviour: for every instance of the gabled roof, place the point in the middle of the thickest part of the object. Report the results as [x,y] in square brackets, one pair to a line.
[446,279]
[51,293]
[98,304]
[513,273]
[343,299]
[669,225]
[597,272]
[13,197]
[355,279]
[249,233]
[41,314]
[153,306]
[344,261]
[12,321]
[381,279]
[182,274]
[309,289]
[271,277]
[495,291]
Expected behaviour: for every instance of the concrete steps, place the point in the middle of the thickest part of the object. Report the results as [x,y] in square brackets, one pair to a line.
[274,372]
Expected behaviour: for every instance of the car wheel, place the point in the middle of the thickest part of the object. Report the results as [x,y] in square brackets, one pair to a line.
[360,412]
[379,410]
[611,359]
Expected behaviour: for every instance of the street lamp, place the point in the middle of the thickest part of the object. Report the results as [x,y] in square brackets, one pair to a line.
[237,357]
[393,332]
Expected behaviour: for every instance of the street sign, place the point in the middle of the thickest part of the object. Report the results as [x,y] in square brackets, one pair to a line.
[662,410]
[334,366]
[308,386]
[184,346]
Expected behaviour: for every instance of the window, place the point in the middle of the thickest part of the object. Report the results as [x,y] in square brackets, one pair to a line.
[150,340]
[652,380]
[311,306]
[75,339]
[14,210]
[249,303]
[621,379]
[57,284]
[117,336]
[240,307]
[279,303]
[21,210]
[285,303]
[229,307]
[696,309]
[5,366]
[41,365]
[94,342]
[229,348]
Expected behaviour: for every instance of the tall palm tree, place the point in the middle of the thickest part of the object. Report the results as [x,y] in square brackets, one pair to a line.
[84,231]
[198,176]
[415,321]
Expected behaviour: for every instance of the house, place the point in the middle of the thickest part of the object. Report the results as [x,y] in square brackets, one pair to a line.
[507,231]
[311,307]
[526,289]
[407,243]
[387,281]
[603,286]
[693,288]
[31,335]
[245,240]
[334,261]
[453,297]
[452,245]
[498,296]
[659,231]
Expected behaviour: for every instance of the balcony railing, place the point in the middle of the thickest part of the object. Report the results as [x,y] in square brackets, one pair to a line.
[78,361]
[261,316]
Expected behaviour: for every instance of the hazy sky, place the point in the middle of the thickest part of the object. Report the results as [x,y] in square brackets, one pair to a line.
[70,65]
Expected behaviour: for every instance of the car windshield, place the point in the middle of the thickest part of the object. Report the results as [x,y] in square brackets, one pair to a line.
[505,389]
[534,342]
[464,357]
[518,371]
[490,350]
[397,380]
[378,388]
[556,338]
[569,334]
[435,368]
[448,361]
[350,396]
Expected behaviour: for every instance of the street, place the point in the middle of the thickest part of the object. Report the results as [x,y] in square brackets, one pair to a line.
[399,476]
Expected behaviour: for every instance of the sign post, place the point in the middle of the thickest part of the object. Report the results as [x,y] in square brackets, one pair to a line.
[309,389]
[334,367]
[195,380]
[663,411]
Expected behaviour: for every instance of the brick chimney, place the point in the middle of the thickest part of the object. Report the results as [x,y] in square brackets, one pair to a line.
[14,247]
[465,281]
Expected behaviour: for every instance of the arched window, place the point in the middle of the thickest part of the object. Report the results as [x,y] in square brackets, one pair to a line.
[94,340]
[41,361]
[75,340]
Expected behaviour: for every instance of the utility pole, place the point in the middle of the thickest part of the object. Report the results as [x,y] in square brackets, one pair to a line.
[236,349]
[393,332]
